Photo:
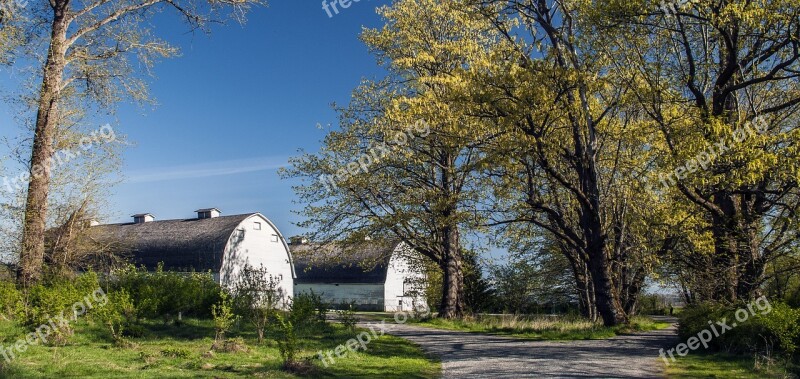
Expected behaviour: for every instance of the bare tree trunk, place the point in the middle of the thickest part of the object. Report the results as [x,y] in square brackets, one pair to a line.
[752,265]
[630,290]
[33,238]
[583,285]
[608,304]
[606,296]
[452,306]
[737,257]
[586,301]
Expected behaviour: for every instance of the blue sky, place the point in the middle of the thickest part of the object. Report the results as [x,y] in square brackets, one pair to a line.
[234,107]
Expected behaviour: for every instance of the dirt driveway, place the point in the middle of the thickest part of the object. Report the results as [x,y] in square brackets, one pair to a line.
[469,355]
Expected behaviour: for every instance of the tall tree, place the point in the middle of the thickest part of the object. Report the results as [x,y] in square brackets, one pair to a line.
[719,81]
[550,86]
[89,48]
[422,189]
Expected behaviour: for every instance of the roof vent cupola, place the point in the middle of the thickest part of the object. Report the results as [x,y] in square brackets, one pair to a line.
[142,218]
[207,213]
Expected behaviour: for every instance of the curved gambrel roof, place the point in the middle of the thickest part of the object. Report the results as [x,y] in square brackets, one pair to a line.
[367,262]
[182,245]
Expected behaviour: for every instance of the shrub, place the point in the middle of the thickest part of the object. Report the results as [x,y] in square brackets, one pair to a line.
[11,302]
[782,326]
[69,299]
[166,295]
[116,314]
[287,342]
[778,330]
[256,296]
[308,311]
[224,318]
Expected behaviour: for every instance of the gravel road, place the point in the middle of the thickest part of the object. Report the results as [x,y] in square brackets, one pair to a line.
[469,355]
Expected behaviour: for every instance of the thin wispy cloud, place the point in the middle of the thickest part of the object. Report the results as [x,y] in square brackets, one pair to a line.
[205,170]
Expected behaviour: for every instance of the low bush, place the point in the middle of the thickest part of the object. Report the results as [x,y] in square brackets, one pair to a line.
[224,318]
[59,301]
[166,295]
[12,306]
[256,298]
[116,315]
[774,329]
[287,342]
[308,312]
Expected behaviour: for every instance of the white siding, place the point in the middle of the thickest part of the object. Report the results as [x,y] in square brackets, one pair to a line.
[364,295]
[400,279]
[389,296]
[258,245]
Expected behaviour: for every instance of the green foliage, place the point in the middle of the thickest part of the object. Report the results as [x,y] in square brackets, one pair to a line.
[479,296]
[722,365]
[764,333]
[256,296]
[12,305]
[116,314]
[534,284]
[654,304]
[61,297]
[223,316]
[287,341]
[308,312]
[782,326]
[164,294]
[172,352]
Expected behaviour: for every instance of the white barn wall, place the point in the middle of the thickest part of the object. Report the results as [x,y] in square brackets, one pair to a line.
[400,270]
[336,294]
[255,247]
[389,296]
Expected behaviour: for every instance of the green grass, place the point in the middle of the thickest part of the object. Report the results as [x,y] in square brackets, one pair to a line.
[542,327]
[91,355]
[707,365]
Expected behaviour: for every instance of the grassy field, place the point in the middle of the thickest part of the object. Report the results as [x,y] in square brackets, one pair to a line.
[725,366]
[182,352]
[542,327]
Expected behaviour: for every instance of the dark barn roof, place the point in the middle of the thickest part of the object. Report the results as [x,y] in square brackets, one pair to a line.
[366,263]
[182,245]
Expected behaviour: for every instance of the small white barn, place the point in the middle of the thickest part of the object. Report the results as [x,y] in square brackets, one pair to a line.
[376,276]
[223,245]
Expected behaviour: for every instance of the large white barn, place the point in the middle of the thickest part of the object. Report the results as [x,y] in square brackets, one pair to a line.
[223,245]
[374,275]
